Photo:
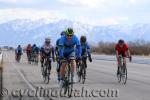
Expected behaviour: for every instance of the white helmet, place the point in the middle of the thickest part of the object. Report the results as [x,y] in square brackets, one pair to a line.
[48,39]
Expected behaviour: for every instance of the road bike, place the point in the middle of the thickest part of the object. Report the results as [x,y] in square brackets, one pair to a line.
[122,70]
[45,69]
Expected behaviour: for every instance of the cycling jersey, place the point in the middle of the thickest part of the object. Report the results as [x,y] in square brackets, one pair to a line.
[48,50]
[28,49]
[121,51]
[68,46]
[57,46]
[18,51]
[85,49]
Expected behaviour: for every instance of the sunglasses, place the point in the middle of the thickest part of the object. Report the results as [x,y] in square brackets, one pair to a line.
[69,35]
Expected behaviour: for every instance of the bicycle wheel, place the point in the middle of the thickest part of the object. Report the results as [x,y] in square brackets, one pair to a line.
[124,75]
[119,75]
[70,82]
[83,73]
[66,81]
[46,73]
[79,72]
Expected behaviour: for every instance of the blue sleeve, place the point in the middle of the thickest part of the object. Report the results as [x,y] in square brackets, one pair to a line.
[60,48]
[88,49]
[53,54]
[78,47]
[79,50]
[77,41]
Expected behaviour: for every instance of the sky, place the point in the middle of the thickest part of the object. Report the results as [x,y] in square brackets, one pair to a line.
[93,12]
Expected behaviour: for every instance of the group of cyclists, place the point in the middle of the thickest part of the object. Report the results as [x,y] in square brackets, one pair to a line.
[32,52]
[68,47]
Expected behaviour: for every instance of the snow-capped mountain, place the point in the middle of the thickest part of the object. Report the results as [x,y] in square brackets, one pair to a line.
[27,31]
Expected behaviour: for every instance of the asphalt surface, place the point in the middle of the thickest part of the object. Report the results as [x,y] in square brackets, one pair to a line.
[101,82]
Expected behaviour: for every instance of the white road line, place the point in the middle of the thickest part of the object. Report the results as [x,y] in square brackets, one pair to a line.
[23,77]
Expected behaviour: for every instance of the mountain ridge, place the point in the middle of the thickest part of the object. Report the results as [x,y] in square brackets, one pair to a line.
[28,31]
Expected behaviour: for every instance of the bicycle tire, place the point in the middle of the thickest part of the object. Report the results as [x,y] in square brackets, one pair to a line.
[119,75]
[46,72]
[83,73]
[124,78]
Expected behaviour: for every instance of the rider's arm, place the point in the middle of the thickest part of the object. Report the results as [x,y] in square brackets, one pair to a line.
[56,48]
[78,47]
[60,47]
[53,54]
[129,54]
[88,50]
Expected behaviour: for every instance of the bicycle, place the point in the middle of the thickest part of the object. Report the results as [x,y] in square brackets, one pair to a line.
[29,57]
[45,70]
[18,57]
[34,58]
[68,80]
[122,71]
[81,70]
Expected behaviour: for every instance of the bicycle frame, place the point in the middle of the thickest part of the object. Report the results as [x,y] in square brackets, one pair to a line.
[81,70]
[68,81]
[46,69]
[122,70]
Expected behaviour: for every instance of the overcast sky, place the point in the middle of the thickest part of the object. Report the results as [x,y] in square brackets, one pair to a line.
[94,12]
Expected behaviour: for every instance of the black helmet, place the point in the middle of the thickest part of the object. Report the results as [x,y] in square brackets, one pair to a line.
[69,31]
[34,45]
[121,41]
[83,39]
[62,33]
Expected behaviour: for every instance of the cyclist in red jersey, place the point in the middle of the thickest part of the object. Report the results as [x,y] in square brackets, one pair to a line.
[28,52]
[123,50]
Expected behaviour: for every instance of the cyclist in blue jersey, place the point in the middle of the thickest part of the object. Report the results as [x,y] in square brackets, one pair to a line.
[18,53]
[67,45]
[57,56]
[86,50]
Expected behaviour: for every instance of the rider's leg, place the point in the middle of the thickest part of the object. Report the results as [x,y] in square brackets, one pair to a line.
[85,62]
[118,66]
[62,70]
[58,70]
[49,68]
[42,61]
[73,64]
[73,70]
[124,61]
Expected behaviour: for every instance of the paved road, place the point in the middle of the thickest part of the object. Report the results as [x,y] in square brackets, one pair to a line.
[101,76]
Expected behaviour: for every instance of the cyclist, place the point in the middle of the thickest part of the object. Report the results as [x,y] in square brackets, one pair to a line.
[123,50]
[47,50]
[67,46]
[35,52]
[57,56]
[29,51]
[86,51]
[18,53]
